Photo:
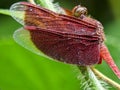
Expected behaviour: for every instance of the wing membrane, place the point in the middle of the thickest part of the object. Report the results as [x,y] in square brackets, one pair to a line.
[69,50]
[61,37]
[33,15]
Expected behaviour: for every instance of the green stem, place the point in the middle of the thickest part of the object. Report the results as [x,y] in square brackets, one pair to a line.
[94,79]
[48,4]
[5,11]
[44,3]
[91,80]
[106,79]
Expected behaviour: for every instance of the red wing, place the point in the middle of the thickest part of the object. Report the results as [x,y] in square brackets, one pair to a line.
[33,15]
[69,50]
[61,37]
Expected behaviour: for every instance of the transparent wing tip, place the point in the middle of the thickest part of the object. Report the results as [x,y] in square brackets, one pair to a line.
[17,11]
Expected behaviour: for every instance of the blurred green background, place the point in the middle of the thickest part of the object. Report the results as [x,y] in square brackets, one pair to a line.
[24,70]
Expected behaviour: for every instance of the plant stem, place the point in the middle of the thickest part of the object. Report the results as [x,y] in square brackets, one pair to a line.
[5,11]
[106,79]
[94,79]
[90,76]
[44,3]
[48,4]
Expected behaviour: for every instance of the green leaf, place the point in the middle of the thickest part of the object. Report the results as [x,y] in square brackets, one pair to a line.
[23,70]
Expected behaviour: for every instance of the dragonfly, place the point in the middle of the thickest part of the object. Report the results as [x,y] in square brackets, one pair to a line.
[74,38]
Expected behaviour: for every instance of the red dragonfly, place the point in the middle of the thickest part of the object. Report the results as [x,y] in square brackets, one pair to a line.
[66,38]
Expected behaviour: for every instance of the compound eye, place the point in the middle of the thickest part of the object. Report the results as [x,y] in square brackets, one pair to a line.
[79,11]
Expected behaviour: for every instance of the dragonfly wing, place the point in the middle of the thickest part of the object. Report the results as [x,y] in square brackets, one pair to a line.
[65,49]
